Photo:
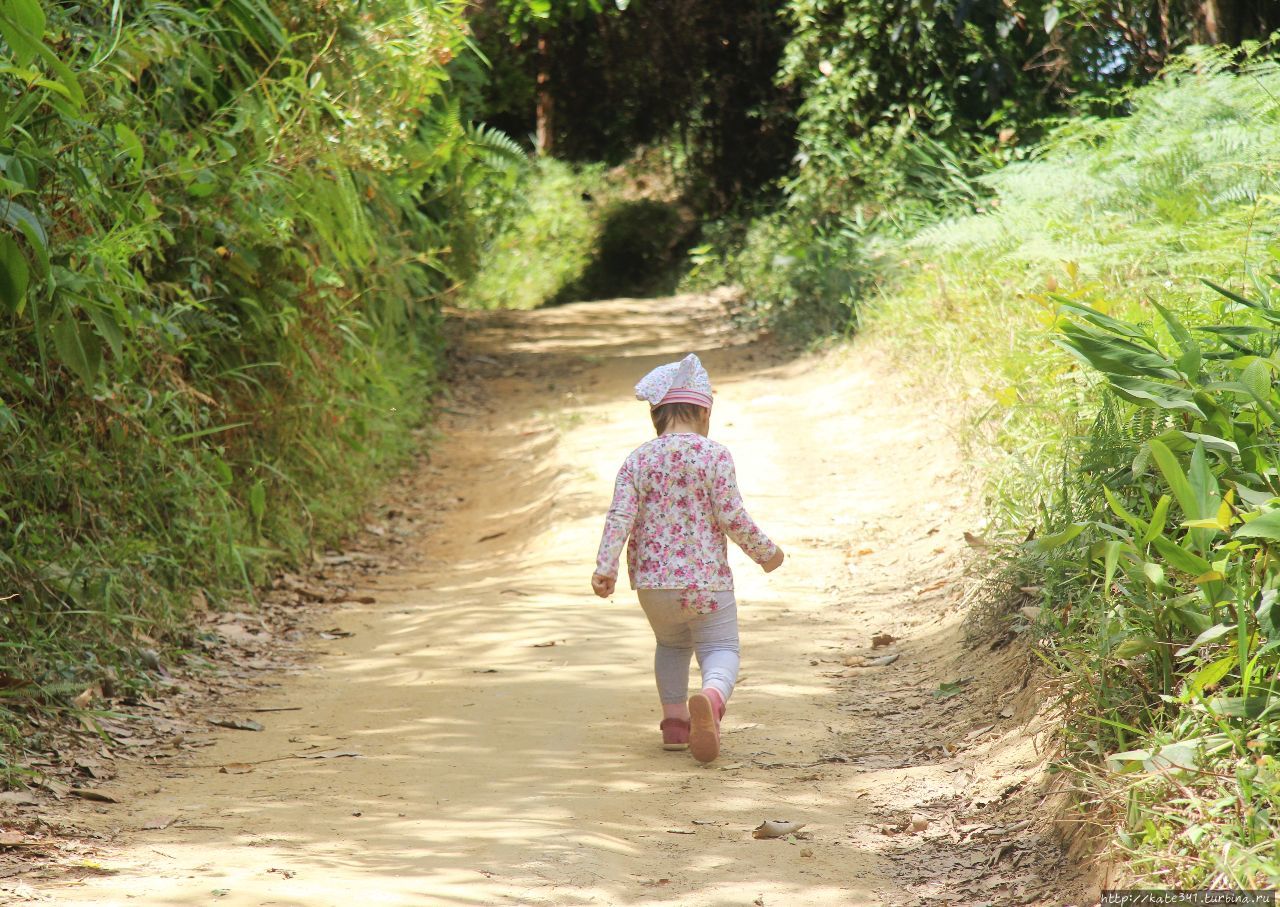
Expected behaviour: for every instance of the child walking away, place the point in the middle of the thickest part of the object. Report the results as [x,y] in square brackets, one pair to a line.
[675,501]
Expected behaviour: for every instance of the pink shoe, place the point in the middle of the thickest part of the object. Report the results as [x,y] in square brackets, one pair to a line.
[705,711]
[675,734]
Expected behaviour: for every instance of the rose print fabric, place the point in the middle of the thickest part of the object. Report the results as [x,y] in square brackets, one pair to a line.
[675,501]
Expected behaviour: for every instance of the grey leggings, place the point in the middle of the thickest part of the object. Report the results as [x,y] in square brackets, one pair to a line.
[680,633]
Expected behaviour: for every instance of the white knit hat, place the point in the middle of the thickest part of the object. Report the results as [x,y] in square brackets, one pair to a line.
[685,381]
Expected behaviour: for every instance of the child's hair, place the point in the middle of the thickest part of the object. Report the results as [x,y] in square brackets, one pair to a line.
[667,413]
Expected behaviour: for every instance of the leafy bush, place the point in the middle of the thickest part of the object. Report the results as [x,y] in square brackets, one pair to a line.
[224,231]
[541,237]
[803,277]
[1142,487]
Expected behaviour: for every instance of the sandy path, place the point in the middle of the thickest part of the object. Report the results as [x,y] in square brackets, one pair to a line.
[496,769]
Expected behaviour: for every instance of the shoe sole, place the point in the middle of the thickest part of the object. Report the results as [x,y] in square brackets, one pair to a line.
[704,736]
[675,747]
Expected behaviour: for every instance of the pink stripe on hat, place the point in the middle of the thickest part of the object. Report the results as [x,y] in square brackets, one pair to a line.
[686,395]
[685,381]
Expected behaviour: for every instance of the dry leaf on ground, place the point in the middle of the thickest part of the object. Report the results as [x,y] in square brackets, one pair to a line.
[85,793]
[237,724]
[776,828]
[881,662]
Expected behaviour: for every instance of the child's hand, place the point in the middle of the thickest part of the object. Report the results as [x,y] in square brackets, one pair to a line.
[602,585]
[774,562]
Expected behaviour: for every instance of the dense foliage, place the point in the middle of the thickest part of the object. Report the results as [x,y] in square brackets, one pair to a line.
[226,229]
[1139,450]
[883,84]
[609,77]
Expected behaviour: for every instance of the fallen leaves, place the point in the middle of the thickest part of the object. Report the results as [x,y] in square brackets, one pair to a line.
[159,824]
[236,768]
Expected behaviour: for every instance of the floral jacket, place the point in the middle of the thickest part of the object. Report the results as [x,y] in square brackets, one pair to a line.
[677,498]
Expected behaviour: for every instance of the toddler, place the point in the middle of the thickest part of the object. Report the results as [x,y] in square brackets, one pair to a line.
[675,500]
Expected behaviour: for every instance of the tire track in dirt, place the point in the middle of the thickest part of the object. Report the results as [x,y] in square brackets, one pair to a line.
[505,719]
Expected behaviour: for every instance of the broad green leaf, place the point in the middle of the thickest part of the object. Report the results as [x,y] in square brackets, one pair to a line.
[1049,542]
[1190,360]
[105,323]
[16,215]
[1158,519]
[1136,645]
[1139,526]
[1144,392]
[1113,355]
[1210,675]
[78,348]
[22,24]
[1214,633]
[1195,621]
[1211,442]
[1102,320]
[1204,484]
[1251,707]
[1110,561]
[1263,526]
[14,276]
[1177,479]
[1233,330]
[1180,558]
[132,146]
[1255,499]
[1266,613]
[1257,378]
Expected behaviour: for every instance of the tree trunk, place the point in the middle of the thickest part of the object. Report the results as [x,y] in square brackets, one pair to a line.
[544,107]
[1211,21]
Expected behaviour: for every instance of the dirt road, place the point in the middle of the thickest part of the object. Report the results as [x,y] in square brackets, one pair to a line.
[506,721]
